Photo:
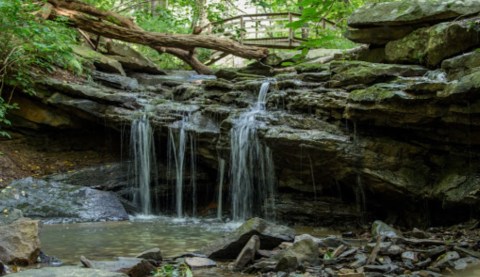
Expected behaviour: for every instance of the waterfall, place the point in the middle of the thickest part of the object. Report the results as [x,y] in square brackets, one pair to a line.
[221,172]
[252,170]
[178,140]
[143,167]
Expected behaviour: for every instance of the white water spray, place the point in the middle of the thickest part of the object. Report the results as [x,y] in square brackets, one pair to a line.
[252,170]
[143,154]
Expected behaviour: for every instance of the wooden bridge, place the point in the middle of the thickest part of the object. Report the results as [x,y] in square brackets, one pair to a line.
[267,30]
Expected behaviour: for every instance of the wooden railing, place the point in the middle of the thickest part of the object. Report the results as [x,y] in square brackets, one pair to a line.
[267,29]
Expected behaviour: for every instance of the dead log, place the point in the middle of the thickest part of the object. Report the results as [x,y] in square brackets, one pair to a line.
[186,57]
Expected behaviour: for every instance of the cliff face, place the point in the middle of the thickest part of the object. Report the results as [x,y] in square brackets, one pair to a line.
[350,139]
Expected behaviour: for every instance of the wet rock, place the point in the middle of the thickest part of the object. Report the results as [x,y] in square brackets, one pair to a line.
[62,202]
[133,267]
[462,65]
[154,254]
[110,177]
[464,263]
[302,253]
[48,260]
[247,255]
[400,13]
[330,241]
[71,271]
[360,260]
[410,255]
[199,262]
[116,81]
[445,259]
[231,74]
[19,242]
[3,269]
[9,215]
[356,72]
[271,235]
[431,45]
[463,88]
[380,228]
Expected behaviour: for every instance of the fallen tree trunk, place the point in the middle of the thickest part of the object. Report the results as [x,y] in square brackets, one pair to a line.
[112,25]
[188,58]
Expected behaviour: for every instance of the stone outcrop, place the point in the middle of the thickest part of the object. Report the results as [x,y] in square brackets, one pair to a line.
[431,45]
[417,32]
[60,202]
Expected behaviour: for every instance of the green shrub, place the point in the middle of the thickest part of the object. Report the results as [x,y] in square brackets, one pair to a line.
[30,45]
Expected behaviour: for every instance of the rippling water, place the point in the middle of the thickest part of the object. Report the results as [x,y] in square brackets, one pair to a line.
[107,240]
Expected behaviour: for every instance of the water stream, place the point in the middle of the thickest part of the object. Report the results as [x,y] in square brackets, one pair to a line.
[179,142]
[252,173]
[143,162]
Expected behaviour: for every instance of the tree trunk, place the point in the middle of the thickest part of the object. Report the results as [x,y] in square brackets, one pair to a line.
[112,25]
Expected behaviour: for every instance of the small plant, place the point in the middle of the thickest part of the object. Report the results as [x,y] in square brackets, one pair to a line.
[169,270]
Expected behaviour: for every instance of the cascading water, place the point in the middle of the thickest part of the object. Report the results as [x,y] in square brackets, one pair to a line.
[178,140]
[252,170]
[143,164]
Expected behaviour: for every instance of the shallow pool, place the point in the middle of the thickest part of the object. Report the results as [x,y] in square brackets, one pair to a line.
[107,240]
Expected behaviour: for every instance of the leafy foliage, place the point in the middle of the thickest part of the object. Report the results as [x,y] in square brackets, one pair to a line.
[29,44]
[169,270]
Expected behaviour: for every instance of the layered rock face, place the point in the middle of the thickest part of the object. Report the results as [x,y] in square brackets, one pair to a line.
[349,139]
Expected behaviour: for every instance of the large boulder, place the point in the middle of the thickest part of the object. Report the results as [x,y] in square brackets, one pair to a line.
[271,235]
[62,202]
[131,59]
[408,12]
[71,271]
[431,45]
[19,242]
[301,253]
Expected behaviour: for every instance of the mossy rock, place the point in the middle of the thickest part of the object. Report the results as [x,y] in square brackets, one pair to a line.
[408,12]
[231,74]
[312,67]
[431,45]
[346,73]
[100,61]
[372,94]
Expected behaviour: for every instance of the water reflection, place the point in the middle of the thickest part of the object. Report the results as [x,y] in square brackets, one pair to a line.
[107,240]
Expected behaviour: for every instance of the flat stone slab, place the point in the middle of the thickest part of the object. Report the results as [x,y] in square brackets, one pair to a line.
[411,12]
[198,262]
